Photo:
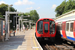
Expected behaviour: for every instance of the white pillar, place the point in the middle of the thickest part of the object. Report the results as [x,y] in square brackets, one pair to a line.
[30,25]
[6,26]
[19,24]
[22,25]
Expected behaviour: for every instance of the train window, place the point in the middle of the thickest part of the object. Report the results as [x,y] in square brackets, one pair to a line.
[71,27]
[52,26]
[40,26]
[46,27]
[67,27]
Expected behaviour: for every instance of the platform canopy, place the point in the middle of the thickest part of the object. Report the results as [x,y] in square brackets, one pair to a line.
[13,12]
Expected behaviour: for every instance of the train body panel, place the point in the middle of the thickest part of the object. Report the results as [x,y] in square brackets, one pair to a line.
[66,22]
[45,28]
[74,29]
[63,29]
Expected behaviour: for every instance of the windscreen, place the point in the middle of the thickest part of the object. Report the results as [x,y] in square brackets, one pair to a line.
[52,27]
[40,27]
[46,28]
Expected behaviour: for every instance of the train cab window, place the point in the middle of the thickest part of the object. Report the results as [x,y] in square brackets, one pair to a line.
[71,27]
[40,27]
[46,27]
[67,27]
[52,26]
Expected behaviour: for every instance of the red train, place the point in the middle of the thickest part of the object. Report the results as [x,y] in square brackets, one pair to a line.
[45,29]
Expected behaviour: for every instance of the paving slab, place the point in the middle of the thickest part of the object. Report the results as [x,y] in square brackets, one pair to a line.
[21,41]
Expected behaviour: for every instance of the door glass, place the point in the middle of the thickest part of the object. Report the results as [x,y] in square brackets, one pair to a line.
[71,27]
[52,27]
[46,27]
[40,27]
[67,27]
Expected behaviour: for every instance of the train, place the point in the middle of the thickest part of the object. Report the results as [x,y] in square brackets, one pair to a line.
[45,29]
[66,24]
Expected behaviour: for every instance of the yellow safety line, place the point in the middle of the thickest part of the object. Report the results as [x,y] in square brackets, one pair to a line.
[34,42]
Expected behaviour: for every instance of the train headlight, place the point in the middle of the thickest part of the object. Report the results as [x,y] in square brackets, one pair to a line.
[40,32]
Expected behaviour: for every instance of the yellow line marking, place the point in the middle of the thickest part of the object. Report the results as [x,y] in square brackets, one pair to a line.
[34,42]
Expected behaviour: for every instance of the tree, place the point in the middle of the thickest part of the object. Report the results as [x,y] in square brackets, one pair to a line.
[68,6]
[65,7]
[60,8]
[3,8]
[33,15]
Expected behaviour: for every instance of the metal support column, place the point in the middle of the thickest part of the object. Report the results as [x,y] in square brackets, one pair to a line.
[6,26]
[19,24]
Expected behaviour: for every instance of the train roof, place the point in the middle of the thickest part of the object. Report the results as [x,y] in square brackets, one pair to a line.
[64,14]
[69,16]
[45,18]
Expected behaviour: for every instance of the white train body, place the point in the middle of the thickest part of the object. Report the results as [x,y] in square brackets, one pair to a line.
[66,22]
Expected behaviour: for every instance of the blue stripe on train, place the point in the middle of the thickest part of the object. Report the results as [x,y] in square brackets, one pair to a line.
[61,35]
[69,38]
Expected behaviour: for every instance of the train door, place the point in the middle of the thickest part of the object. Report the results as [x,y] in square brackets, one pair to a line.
[46,29]
[63,29]
[69,29]
[74,29]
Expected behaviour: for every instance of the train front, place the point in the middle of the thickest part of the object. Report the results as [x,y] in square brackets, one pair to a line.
[45,29]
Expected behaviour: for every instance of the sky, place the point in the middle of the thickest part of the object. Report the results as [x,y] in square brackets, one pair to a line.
[45,8]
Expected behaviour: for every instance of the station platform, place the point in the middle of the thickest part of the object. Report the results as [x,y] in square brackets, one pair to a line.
[21,41]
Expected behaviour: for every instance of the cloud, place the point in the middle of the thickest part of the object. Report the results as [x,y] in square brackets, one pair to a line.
[30,8]
[23,2]
[38,8]
[2,2]
[54,6]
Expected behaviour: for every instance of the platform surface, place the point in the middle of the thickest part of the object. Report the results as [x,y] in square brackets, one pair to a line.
[22,41]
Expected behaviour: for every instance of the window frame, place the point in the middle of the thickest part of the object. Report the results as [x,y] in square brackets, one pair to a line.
[69,25]
[46,26]
[53,27]
[38,26]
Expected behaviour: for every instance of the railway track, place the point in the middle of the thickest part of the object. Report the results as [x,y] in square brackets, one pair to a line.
[58,45]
